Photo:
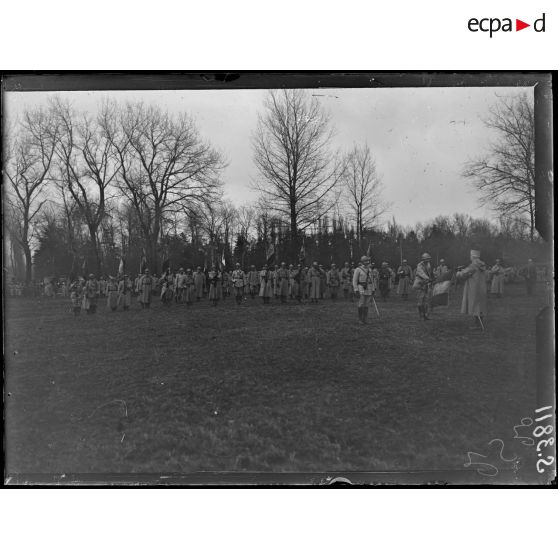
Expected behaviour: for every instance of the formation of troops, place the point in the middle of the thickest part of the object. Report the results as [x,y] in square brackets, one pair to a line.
[304,284]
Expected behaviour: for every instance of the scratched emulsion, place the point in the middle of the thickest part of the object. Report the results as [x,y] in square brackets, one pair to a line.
[185,390]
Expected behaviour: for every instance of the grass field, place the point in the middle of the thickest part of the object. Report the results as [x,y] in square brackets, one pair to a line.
[262,388]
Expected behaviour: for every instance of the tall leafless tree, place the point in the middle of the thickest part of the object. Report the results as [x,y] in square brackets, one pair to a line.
[29,159]
[505,176]
[298,171]
[164,166]
[363,187]
[88,167]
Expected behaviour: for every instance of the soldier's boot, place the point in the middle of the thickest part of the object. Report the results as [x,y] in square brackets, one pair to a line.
[361,314]
[365,315]
[425,313]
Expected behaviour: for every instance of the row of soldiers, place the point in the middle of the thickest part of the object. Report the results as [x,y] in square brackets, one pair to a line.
[282,282]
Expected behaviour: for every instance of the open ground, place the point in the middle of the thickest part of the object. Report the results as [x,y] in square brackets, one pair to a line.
[262,388]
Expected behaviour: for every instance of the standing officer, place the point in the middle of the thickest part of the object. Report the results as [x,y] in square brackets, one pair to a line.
[362,286]
[424,277]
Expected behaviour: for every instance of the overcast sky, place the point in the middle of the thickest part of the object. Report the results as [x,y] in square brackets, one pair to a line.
[420,137]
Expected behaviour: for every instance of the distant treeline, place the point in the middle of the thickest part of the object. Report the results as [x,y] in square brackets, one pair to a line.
[450,238]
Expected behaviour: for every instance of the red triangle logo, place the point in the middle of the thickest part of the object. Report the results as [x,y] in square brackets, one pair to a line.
[519,25]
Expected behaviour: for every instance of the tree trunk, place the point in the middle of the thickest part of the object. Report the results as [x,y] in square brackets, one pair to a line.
[28,264]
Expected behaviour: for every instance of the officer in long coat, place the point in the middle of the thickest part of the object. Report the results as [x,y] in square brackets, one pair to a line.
[475,292]
[362,286]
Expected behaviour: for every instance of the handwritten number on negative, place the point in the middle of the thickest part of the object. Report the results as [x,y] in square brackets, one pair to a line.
[528,441]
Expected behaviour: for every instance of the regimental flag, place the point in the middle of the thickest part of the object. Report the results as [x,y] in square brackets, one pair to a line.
[270,253]
[368,252]
[84,268]
[302,254]
[121,267]
[223,262]
[440,293]
[166,265]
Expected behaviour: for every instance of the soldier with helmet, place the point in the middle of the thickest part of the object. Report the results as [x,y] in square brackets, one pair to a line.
[363,287]
[424,277]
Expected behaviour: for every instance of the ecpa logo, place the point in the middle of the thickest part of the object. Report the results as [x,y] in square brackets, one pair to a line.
[494,24]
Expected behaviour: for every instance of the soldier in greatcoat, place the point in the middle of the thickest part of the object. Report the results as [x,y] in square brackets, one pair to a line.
[238,280]
[91,294]
[125,287]
[215,280]
[282,278]
[253,281]
[362,286]
[475,292]
[333,281]
[179,285]
[145,285]
[112,293]
[266,284]
[199,283]
[405,274]
[424,278]
[314,278]
[188,292]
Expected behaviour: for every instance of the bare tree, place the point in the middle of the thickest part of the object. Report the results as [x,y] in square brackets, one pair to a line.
[363,187]
[87,167]
[29,160]
[505,177]
[298,172]
[164,166]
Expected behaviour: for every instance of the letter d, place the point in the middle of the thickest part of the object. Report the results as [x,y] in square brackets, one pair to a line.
[535,25]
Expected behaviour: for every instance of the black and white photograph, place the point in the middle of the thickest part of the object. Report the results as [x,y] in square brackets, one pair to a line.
[305,278]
